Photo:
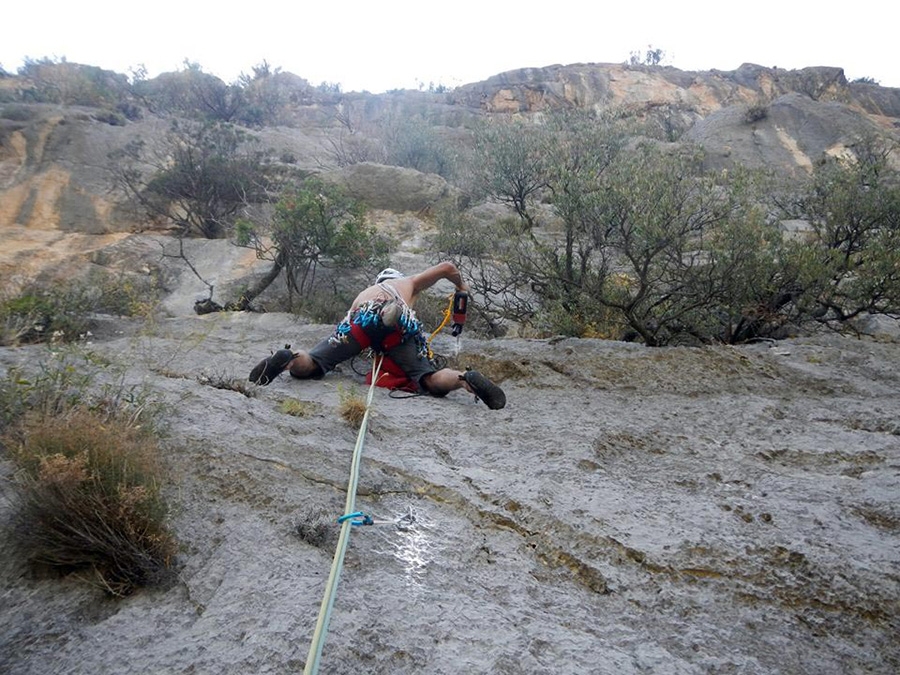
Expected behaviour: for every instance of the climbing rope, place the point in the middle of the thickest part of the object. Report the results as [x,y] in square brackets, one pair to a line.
[347,522]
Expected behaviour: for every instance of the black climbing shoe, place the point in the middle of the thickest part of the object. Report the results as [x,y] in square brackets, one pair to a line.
[484,389]
[271,367]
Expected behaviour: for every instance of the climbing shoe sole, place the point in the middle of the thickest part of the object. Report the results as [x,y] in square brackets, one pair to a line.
[271,367]
[485,390]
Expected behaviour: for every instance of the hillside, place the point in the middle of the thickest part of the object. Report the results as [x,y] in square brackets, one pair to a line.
[59,198]
[631,510]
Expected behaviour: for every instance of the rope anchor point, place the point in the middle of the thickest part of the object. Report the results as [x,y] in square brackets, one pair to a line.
[364,518]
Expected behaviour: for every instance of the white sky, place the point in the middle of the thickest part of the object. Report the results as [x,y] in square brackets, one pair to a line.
[379,45]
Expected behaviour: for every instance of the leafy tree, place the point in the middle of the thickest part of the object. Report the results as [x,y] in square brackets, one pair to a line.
[199,178]
[853,207]
[191,93]
[315,226]
[510,165]
[653,56]
[58,81]
[578,150]
[643,241]
[672,244]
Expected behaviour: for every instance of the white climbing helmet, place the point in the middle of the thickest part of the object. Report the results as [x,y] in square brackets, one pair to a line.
[388,273]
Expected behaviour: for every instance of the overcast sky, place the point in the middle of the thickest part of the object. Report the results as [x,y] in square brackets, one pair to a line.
[389,44]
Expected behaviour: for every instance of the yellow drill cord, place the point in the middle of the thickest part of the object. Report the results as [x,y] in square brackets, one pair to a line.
[447,313]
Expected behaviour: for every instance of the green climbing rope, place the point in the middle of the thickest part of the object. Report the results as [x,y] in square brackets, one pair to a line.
[318,641]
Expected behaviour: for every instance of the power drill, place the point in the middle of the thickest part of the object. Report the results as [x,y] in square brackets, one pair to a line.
[458,315]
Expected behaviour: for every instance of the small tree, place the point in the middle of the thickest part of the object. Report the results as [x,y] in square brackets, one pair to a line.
[190,93]
[198,179]
[653,56]
[853,206]
[510,164]
[270,96]
[58,81]
[315,225]
[648,243]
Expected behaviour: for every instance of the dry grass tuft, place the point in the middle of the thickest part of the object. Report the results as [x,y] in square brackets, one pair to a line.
[316,529]
[228,383]
[297,408]
[91,499]
[352,408]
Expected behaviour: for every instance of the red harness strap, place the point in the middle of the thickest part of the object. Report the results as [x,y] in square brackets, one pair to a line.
[391,375]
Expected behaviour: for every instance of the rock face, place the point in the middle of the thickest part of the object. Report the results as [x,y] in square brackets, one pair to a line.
[392,188]
[725,510]
[55,171]
[700,93]
[791,133]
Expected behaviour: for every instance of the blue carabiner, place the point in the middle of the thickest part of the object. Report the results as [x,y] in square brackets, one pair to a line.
[366,519]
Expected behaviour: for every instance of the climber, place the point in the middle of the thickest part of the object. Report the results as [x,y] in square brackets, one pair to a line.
[382,318]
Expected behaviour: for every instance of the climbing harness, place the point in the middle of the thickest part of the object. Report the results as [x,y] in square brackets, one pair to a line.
[455,311]
[375,312]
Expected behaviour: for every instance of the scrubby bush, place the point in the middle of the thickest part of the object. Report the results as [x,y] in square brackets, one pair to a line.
[227,382]
[200,177]
[58,81]
[756,113]
[637,240]
[851,266]
[89,480]
[297,408]
[18,113]
[414,143]
[111,117]
[316,227]
[189,93]
[59,311]
[90,499]
[39,314]
[316,528]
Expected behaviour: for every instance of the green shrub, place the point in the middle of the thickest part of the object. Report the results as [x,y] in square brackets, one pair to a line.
[63,312]
[88,476]
[18,113]
[71,378]
[44,314]
[756,113]
[111,117]
[57,387]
